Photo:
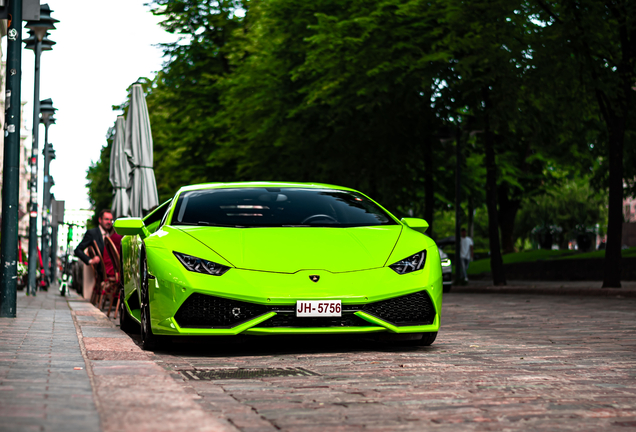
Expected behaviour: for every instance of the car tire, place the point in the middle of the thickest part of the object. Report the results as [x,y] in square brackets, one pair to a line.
[428,338]
[149,341]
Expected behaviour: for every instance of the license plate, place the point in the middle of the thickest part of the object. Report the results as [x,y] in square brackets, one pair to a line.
[319,308]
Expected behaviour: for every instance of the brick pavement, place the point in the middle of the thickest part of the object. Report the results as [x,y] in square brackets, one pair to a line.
[132,392]
[501,362]
[118,387]
[40,389]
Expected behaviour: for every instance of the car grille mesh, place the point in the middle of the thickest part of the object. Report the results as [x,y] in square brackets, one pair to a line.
[208,311]
[411,309]
[204,311]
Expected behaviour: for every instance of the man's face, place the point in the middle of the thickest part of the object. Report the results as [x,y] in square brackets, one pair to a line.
[106,221]
[463,232]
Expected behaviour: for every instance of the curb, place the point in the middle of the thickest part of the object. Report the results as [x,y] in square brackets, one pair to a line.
[131,391]
[557,291]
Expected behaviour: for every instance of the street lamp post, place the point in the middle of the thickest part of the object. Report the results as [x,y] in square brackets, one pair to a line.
[38,29]
[11,165]
[47,111]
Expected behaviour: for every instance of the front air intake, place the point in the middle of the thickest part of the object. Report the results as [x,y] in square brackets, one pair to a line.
[203,311]
[411,309]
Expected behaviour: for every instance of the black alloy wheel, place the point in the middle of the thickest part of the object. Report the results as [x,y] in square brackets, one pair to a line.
[149,341]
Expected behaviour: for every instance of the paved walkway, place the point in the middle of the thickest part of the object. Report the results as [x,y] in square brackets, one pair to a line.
[501,362]
[64,366]
[44,385]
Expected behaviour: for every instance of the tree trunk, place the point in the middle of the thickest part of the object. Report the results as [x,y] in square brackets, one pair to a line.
[459,265]
[429,184]
[496,262]
[615,119]
[615,115]
[471,217]
[612,265]
[508,209]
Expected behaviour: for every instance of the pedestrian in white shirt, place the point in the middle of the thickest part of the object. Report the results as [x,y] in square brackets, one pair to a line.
[466,252]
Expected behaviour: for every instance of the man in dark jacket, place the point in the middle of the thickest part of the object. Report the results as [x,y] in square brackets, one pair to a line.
[104,229]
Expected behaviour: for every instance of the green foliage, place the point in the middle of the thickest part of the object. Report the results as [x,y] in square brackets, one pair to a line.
[324,95]
[375,94]
[445,226]
[626,253]
[574,207]
[483,265]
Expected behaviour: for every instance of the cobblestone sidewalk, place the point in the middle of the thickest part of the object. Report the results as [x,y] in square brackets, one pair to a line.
[500,363]
[65,367]
[44,385]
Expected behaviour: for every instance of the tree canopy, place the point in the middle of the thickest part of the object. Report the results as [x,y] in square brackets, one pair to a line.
[375,95]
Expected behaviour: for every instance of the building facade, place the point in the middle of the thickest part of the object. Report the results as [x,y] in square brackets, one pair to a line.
[73,216]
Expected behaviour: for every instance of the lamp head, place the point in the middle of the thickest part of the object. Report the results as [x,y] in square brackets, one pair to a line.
[46,22]
[47,111]
[47,44]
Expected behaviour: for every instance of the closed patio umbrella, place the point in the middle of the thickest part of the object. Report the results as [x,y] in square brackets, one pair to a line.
[119,171]
[142,187]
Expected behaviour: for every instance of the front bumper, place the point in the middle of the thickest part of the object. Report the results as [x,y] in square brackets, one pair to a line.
[263,303]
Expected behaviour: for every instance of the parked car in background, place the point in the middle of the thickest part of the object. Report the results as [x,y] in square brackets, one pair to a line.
[447,271]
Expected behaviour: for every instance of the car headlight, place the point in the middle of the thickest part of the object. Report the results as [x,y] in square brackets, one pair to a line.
[446,262]
[199,265]
[413,263]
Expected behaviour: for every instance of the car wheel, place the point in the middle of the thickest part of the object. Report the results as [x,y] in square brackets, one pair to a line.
[149,341]
[428,338]
[126,323]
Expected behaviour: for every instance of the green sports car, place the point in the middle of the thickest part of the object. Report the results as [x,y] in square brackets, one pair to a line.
[278,258]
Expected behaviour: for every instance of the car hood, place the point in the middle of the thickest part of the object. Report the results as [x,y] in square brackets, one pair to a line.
[291,249]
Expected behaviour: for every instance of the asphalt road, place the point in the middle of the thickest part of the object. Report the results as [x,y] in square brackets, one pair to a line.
[501,362]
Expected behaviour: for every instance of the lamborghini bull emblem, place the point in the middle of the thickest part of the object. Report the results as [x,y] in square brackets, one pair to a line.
[314,278]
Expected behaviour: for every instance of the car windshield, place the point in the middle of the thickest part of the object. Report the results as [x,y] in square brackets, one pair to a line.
[277,207]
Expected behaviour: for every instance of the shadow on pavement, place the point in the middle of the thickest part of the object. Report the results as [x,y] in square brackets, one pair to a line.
[246,346]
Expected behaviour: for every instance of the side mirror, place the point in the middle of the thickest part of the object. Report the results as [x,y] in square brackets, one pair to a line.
[417,224]
[132,227]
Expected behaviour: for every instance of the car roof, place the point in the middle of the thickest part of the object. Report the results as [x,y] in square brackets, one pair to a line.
[203,186]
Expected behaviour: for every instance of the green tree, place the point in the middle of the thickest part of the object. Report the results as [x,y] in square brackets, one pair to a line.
[184,97]
[315,100]
[574,207]
[599,37]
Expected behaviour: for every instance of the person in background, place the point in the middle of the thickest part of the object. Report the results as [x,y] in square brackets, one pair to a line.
[103,230]
[466,252]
